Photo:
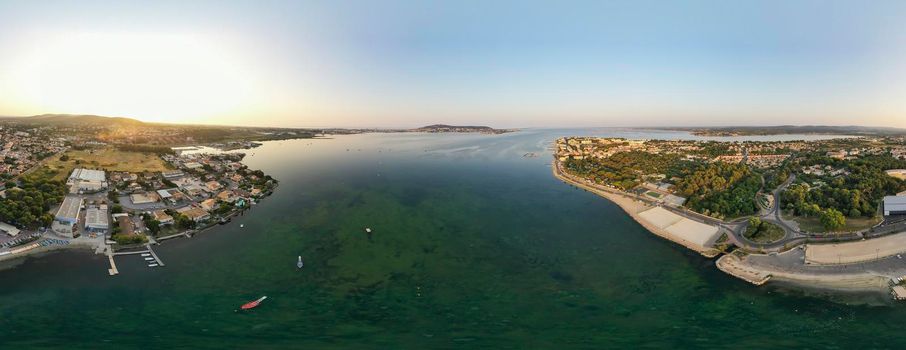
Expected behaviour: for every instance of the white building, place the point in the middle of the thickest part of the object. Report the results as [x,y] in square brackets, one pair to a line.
[9,229]
[80,174]
[86,180]
[96,219]
[67,216]
[894,205]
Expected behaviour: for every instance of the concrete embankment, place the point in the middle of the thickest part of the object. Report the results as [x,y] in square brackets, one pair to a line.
[842,280]
[733,266]
[635,207]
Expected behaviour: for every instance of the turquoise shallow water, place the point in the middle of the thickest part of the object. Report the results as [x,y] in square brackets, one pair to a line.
[475,246]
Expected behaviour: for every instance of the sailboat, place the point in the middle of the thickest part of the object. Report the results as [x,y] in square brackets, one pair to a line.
[300,264]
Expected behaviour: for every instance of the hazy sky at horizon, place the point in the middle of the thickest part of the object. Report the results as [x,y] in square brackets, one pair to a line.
[412,63]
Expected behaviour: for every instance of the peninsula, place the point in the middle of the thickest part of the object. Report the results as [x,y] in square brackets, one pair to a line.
[825,214]
[443,128]
[793,130]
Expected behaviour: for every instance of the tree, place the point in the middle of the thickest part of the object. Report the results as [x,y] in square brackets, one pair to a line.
[116,209]
[183,221]
[754,222]
[832,219]
[129,239]
[64,158]
[153,226]
[27,205]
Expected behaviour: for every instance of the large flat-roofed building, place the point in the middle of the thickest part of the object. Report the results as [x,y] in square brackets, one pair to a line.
[67,216]
[96,219]
[171,175]
[87,180]
[894,205]
[87,175]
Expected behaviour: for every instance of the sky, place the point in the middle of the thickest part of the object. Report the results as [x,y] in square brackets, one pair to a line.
[498,63]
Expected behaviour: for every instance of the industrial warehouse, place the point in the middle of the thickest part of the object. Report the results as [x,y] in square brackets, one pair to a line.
[67,216]
[86,181]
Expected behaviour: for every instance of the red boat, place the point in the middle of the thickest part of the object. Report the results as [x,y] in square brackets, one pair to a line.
[253,304]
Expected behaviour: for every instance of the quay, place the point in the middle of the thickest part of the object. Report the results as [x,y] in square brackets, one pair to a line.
[731,265]
[111,254]
[175,235]
[153,255]
[132,253]
[112,270]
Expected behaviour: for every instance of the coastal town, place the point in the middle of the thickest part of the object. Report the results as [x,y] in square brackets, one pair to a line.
[119,186]
[65,191]
[822,214]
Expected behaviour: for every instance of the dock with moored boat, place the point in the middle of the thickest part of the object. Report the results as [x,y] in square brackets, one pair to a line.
[154,255]
[148,255]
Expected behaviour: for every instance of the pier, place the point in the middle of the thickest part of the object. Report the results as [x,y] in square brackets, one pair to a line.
[112,270]
[175,235]
[153,255]
[110,254]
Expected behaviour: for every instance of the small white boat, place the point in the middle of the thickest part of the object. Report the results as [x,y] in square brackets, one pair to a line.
[241,225]
[152,265]
[149,258]
[300,264]
[368,230]
[146,254]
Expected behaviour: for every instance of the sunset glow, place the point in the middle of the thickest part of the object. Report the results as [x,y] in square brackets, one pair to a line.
[165,78]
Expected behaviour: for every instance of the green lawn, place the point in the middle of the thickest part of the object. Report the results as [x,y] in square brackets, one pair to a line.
[764,233]
[813,223]
[108,158]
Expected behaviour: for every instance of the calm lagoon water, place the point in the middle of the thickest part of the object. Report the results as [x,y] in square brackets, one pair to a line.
[474,246]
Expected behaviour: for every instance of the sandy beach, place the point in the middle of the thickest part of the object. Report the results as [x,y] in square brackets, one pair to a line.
[634,207]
